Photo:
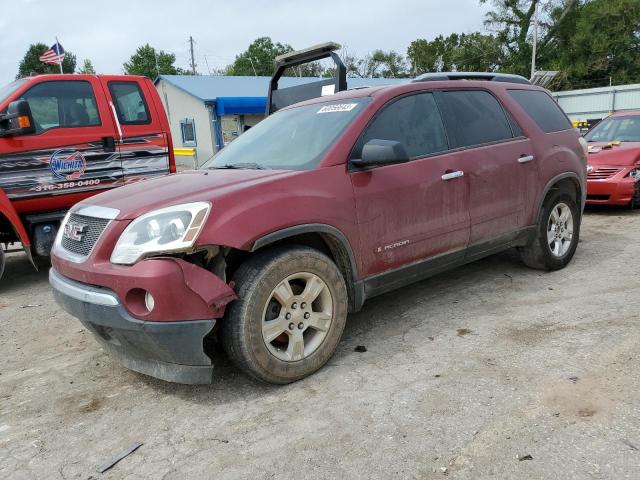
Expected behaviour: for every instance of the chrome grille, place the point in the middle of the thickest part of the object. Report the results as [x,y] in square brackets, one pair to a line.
[603,173]
[94,228]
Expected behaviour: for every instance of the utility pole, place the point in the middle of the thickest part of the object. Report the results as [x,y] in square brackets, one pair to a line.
[535,38]
[193,60]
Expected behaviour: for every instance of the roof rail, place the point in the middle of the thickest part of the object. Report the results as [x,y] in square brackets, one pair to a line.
[486,76]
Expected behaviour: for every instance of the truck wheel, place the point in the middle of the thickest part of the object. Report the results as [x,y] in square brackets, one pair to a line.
[2,261]
[557,234]
[289,316]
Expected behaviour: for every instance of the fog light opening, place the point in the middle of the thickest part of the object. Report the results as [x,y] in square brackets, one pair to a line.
[149,301]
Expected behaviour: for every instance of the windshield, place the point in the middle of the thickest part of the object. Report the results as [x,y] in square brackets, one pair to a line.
[7,90]
[616,129]
[292,139]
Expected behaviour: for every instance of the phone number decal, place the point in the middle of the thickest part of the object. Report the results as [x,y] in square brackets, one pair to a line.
[65,185]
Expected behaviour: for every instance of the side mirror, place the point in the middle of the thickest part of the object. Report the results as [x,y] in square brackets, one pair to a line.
[376,153]
[17,120]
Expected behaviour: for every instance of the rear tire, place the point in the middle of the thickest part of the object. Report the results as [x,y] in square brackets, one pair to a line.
[289,316]
[557,233]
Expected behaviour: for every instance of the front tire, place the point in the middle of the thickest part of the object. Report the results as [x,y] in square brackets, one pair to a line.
[289,316]
[557,234]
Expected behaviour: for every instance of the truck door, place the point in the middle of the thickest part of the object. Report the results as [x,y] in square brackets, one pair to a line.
[72,150]
[143,142]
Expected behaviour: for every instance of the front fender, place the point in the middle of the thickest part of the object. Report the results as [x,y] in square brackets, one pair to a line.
[6,209]
[323,196]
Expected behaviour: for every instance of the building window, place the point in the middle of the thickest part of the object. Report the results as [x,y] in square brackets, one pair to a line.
[188,129]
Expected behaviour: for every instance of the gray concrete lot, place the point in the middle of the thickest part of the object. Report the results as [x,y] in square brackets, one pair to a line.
[464,375]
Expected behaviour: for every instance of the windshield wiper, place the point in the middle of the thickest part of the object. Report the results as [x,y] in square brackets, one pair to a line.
[241,166]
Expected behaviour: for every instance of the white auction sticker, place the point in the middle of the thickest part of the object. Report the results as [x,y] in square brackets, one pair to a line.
[338,107]
[328,90]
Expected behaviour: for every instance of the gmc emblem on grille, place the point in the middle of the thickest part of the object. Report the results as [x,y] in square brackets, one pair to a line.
[75,231]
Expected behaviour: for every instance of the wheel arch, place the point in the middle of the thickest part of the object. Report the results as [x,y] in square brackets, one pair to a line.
[329,240]
[567,181]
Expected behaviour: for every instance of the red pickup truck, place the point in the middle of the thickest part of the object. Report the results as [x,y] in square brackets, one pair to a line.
[64,138]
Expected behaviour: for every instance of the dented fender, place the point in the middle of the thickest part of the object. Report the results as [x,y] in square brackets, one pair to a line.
[181,290]
[208,286]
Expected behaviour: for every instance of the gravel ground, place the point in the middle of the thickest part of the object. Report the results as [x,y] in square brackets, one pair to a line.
[465,375]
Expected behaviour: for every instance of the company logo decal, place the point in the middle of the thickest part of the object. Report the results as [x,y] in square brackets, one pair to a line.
[67,164]
[75,231]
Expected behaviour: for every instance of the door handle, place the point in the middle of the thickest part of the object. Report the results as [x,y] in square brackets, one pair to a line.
[526,159]
[109,144]
[451,175]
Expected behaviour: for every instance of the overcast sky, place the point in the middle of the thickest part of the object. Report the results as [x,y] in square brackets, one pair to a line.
[108,32]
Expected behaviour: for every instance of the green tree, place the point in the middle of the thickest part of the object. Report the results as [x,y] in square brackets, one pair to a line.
[473,52]
[512,21]
[151,63]
[258,59]
[598,42]
[31,64]
[87,68]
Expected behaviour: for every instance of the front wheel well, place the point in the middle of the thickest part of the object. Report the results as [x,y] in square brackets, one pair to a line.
[324,242]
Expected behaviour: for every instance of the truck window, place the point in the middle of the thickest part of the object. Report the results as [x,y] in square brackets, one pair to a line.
[542,109]
[62,103]
[475,117]
[129,102]
[414,121]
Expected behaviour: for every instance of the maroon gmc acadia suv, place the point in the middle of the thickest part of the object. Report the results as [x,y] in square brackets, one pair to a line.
[321,206]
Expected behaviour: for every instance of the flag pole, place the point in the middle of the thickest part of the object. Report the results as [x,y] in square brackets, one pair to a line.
[58,52]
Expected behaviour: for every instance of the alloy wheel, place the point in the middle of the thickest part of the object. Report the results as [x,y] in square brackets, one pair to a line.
[560,230]
[297,316]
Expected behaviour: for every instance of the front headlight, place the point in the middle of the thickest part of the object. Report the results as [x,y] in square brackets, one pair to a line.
[170,229]
[635,173]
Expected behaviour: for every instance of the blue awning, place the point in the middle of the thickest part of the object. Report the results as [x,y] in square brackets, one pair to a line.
[241,105]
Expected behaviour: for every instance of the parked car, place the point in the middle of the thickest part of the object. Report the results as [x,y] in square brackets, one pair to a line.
[316,209]
[613,172]
[64,138]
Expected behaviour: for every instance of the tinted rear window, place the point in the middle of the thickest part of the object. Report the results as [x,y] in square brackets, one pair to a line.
[475,117]
[542,109]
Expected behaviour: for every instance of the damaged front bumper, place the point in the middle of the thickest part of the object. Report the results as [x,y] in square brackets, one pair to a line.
[169,350]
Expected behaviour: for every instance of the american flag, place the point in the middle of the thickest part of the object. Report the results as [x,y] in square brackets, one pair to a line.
[54,55]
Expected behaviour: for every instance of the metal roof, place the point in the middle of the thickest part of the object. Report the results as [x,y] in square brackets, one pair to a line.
[210,87]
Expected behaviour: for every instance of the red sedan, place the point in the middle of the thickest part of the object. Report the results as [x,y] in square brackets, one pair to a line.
[613,170]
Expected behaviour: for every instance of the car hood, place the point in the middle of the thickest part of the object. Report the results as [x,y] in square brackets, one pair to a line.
[625,154]
[195,186]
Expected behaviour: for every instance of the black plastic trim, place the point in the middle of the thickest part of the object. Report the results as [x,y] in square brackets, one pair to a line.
[556,179]
[170,351]
[358,287]
[423,269]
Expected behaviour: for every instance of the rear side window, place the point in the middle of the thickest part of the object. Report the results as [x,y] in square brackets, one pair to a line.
[129,102]
[542,109]
[414,121]
[64,103]
[474,117]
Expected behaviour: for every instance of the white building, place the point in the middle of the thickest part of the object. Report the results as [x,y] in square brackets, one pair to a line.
[593,104]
